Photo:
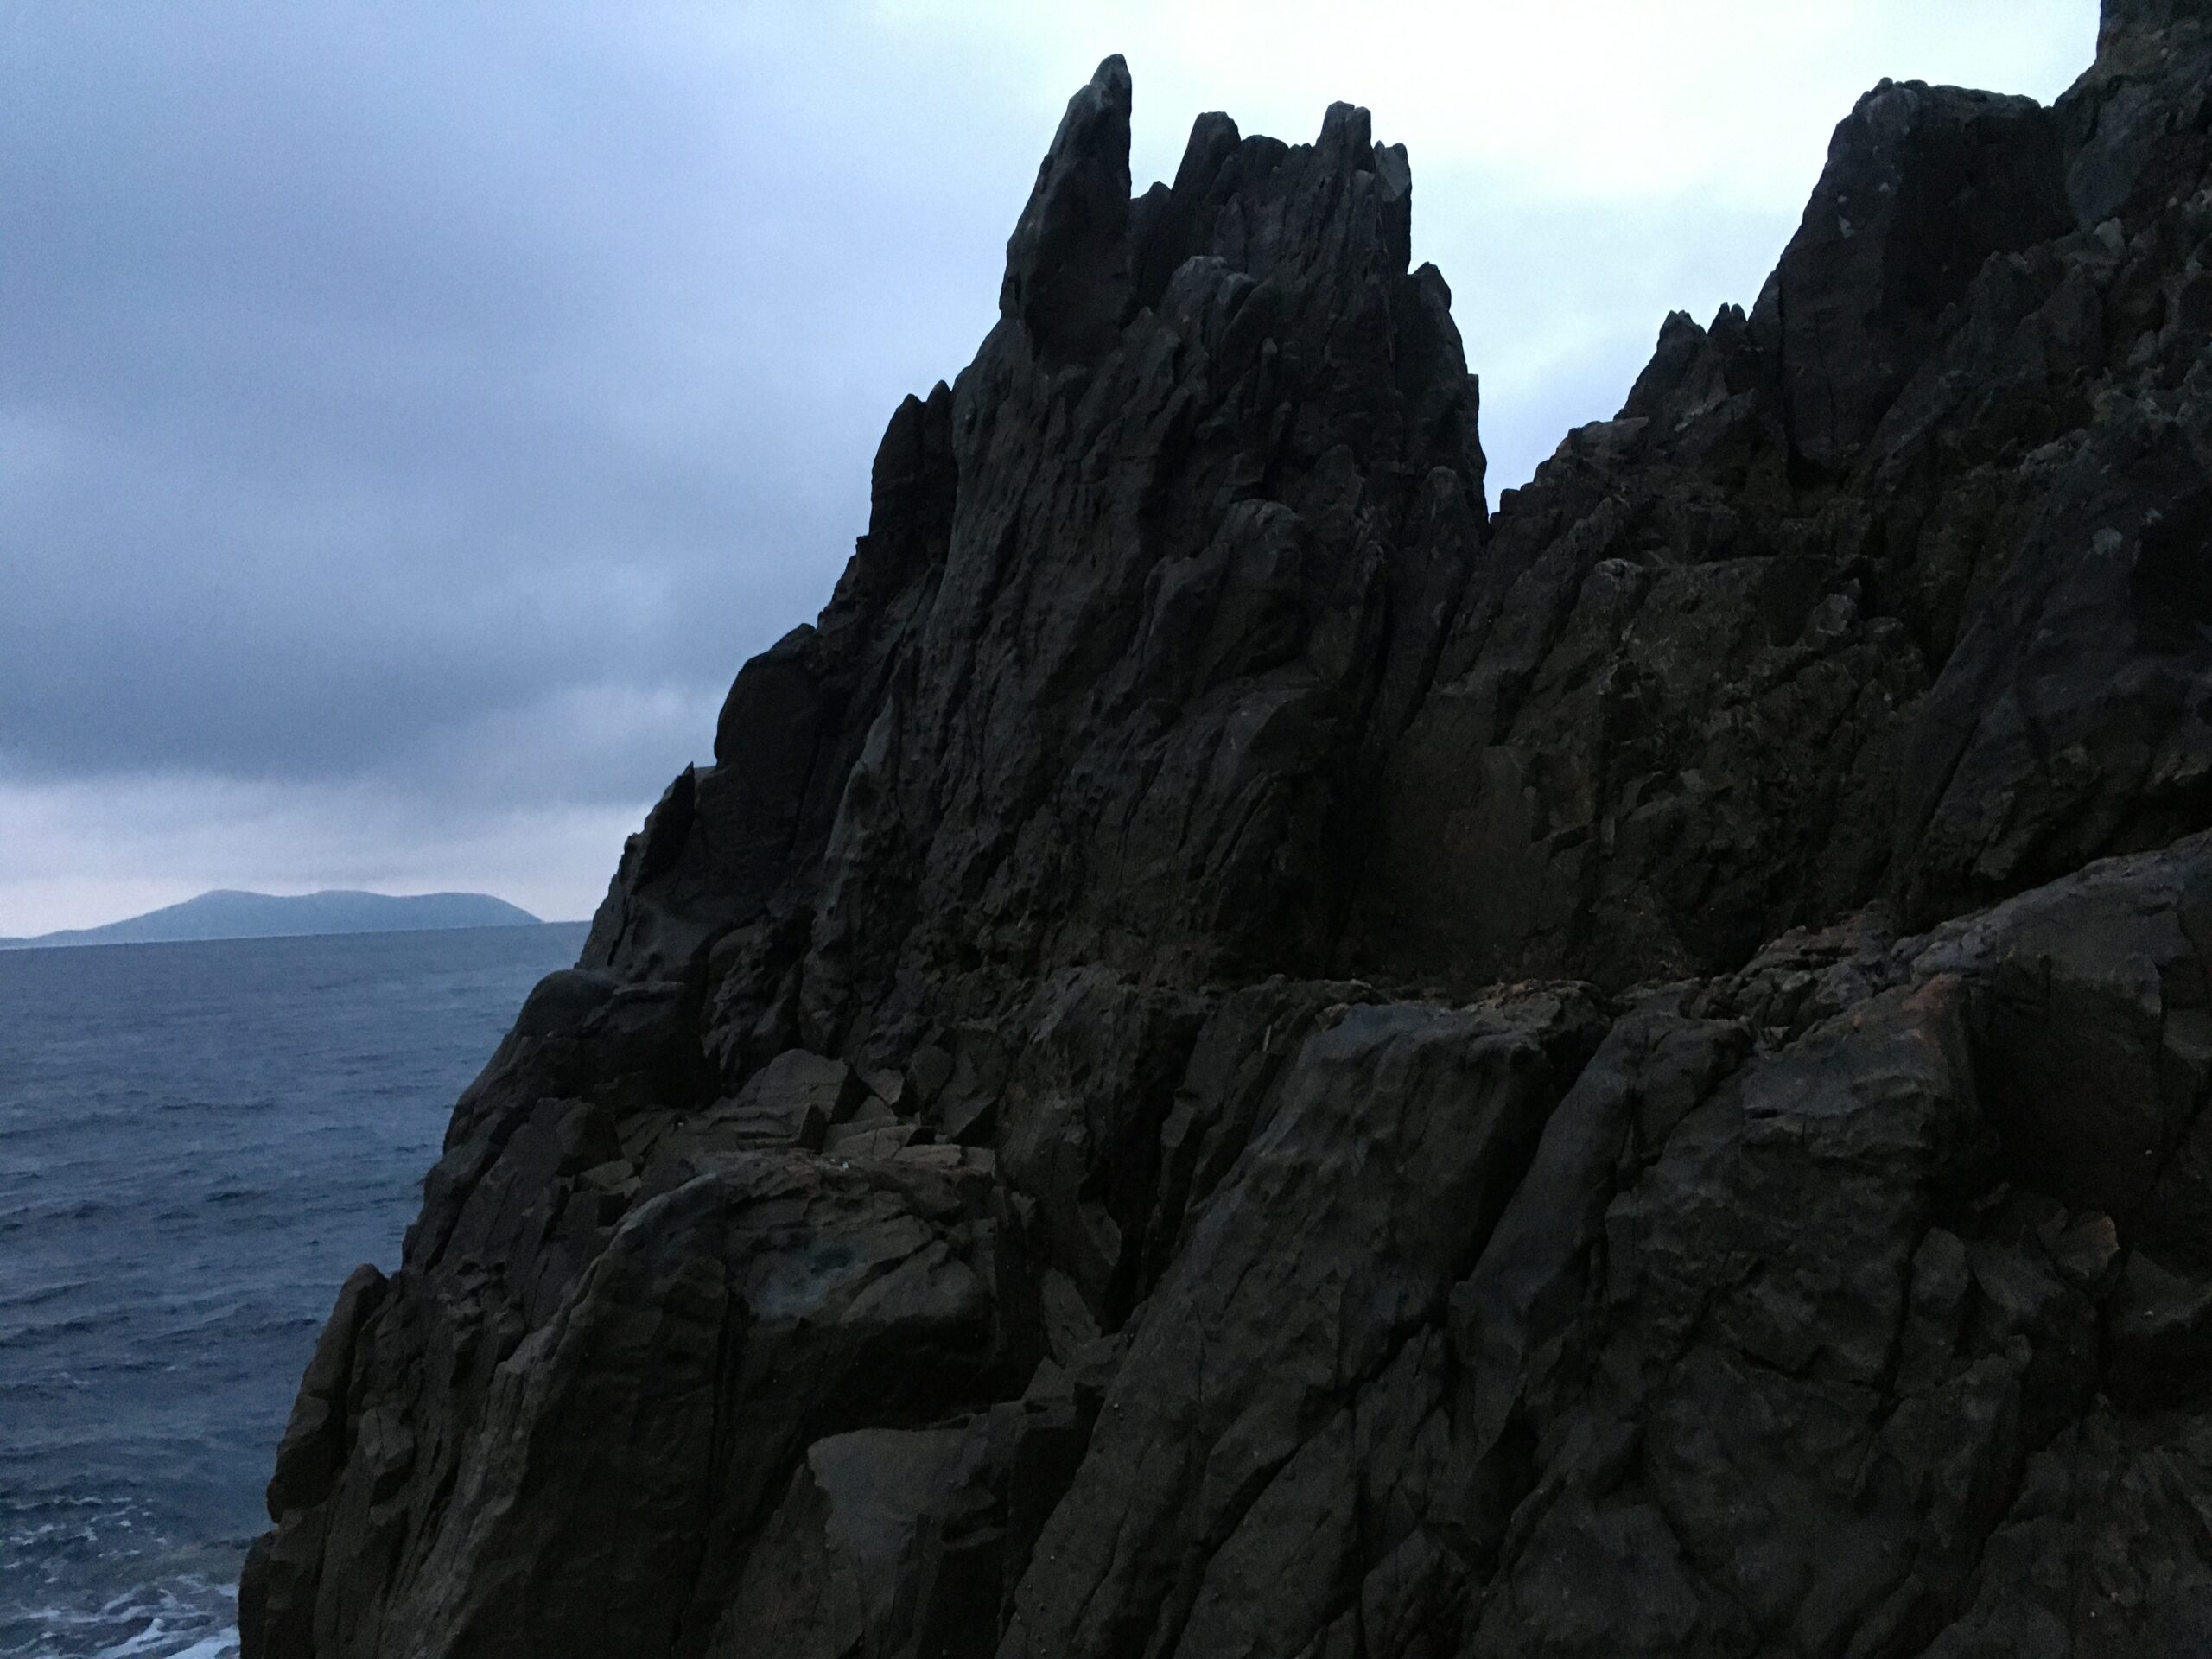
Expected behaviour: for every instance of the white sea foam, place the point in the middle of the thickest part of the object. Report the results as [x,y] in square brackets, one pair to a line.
[156,1642]
[181,1618]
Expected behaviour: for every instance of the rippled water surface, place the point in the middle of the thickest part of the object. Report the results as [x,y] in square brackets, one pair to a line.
[197,1143]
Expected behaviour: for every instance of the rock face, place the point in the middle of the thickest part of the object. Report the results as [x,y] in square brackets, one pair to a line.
[1238,1057]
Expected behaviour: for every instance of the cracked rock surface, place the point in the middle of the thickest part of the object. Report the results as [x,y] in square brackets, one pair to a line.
[1242,1056]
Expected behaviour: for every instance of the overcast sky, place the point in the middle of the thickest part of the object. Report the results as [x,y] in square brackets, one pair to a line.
[411,416]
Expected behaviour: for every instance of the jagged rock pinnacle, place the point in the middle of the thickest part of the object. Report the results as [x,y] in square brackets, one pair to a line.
[1241,1056]
[1067,263]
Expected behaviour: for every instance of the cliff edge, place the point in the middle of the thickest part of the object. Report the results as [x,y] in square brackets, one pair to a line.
[1239,1055]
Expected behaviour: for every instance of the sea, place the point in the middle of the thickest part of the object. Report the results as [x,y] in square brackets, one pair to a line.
[198,1143]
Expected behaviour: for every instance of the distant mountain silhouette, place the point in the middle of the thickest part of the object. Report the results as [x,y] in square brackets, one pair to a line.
[227,914]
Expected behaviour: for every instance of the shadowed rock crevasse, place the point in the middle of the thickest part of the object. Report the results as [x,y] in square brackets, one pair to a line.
[1239,1055]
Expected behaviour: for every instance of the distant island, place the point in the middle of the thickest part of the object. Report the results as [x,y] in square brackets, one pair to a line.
[227,914]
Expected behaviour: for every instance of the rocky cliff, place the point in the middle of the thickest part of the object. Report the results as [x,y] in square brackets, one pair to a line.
[1241,1056]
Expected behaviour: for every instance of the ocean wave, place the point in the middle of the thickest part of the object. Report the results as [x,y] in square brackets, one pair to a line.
[185,1617]
[33,1295]
[189,1166]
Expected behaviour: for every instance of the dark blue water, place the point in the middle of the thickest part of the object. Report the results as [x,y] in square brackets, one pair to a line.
[197,1143]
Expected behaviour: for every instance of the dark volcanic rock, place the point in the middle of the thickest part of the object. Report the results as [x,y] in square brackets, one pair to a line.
[1923,185]
[1238,1057]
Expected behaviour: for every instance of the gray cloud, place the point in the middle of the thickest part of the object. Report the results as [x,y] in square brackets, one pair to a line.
[374,380]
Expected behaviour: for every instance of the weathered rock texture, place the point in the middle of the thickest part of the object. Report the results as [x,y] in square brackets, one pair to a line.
[1239,1057]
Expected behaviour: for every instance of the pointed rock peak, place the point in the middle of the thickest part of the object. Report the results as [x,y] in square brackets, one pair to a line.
[1922,184]
[1348,131]
[1214,137]
[1067,262]
[1109,81]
